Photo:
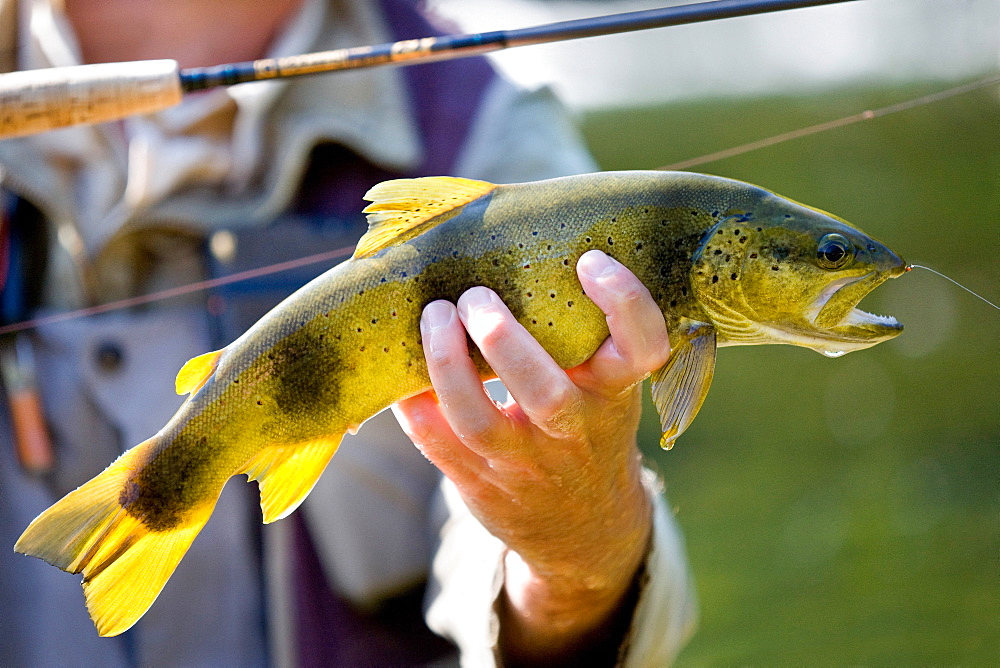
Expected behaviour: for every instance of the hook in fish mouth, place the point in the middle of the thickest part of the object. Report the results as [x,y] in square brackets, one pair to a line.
[835,307]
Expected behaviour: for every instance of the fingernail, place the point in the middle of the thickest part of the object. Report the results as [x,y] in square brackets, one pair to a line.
[596,264]
[475,299]
[436,315]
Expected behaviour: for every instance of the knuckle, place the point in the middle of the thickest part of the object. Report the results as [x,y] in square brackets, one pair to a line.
[559,411]
[494,334]
[631,291]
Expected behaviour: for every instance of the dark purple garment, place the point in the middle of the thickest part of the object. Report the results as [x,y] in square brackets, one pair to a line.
[444,98]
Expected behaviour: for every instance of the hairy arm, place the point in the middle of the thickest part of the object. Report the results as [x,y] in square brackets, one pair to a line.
[555,473]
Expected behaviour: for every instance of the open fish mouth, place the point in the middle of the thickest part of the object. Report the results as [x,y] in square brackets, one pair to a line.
[835,309]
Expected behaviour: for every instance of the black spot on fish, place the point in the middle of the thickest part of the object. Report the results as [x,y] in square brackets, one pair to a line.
[673,302]
[715,279]
[718,251]
[570,303]
[732,276]
[774,268]
[753,256]
[169,485]
[743,240]
[611,242]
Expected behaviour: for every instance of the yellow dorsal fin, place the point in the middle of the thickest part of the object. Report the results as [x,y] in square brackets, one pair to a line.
[403,208]
[196,372]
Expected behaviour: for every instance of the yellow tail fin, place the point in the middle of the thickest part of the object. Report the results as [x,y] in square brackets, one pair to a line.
[124,564]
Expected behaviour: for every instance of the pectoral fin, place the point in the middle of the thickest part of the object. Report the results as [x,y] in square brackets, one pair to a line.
[681,385]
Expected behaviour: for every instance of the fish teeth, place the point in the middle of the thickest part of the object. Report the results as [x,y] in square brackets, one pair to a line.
[858,317]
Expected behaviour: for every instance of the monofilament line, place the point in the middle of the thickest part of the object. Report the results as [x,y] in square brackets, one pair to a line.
[933,271]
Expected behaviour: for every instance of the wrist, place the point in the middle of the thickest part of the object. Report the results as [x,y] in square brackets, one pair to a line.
[554,609]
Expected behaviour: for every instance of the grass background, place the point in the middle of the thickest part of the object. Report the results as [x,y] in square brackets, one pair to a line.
[847,511]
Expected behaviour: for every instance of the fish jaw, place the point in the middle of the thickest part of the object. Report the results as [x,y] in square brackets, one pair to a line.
[837,324]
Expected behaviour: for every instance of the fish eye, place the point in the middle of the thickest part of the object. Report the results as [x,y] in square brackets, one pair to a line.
[834,252]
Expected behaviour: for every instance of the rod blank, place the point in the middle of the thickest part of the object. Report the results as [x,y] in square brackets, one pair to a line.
[38,100]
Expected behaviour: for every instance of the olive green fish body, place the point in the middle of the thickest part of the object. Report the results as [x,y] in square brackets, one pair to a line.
[728,263]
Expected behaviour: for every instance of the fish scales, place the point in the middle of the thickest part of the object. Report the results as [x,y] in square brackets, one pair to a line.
[728,263]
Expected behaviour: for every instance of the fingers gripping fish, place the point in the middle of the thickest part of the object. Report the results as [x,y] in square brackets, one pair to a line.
[728,263]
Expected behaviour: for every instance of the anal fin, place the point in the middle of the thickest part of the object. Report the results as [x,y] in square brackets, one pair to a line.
[286,474]
[680,386]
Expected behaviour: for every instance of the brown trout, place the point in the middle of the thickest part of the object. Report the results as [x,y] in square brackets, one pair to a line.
[727,262]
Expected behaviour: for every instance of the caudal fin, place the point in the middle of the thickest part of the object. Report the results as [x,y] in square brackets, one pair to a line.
[124,564]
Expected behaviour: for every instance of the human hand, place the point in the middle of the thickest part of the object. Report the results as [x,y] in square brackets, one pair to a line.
[555,474]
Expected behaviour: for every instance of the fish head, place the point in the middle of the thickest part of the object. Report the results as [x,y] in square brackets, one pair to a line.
[796,275]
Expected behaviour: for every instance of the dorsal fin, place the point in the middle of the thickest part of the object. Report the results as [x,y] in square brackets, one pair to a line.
[196,372]
[403,208]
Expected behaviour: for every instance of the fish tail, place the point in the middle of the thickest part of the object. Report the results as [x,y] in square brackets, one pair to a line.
[124,563]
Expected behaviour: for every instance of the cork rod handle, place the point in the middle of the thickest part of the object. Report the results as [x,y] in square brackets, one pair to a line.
[38,100]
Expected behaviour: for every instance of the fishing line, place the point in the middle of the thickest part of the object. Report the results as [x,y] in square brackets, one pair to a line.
[867,115]
[949,278]
[178,291]
[343,252]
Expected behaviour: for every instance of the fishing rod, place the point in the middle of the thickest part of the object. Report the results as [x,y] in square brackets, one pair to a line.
[34,101]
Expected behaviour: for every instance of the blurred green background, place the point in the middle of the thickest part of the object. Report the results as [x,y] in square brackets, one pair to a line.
[847,511]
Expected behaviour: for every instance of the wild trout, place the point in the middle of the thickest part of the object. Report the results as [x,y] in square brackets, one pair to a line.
[727,262]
